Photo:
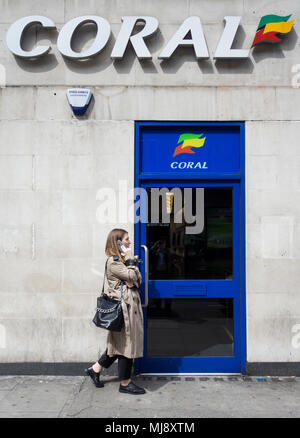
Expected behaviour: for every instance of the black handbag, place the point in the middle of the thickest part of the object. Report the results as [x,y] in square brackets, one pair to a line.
[109,314]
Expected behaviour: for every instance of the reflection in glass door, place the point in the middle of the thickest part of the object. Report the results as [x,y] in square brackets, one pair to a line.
[193,315]
[190,327]
[206,255]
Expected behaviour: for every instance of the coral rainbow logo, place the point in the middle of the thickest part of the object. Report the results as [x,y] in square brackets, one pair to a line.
[270,26]
[188,141]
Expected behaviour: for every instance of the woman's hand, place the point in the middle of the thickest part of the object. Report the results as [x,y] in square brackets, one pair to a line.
[125,251]
[129,284]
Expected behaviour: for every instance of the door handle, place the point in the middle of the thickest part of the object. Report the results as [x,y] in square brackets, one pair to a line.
[146,274]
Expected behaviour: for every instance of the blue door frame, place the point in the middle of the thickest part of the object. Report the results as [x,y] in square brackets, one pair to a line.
[234,288]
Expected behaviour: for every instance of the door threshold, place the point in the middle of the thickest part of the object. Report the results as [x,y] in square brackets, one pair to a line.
[189,374]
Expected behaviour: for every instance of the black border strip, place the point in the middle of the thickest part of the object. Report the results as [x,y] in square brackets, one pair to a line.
[273,368]
[77,369]
[51,369]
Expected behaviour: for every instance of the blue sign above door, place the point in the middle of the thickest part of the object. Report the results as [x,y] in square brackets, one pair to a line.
[189,150]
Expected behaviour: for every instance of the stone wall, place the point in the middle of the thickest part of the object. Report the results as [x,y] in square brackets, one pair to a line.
[53,164]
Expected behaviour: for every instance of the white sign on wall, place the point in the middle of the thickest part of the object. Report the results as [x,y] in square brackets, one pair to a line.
[190,33]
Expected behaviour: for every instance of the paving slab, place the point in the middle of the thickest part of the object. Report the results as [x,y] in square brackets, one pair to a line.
[166,397]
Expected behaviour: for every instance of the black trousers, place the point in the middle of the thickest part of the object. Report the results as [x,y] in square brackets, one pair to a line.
[124,364]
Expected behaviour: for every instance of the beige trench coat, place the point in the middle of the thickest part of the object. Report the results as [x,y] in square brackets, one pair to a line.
[129,341]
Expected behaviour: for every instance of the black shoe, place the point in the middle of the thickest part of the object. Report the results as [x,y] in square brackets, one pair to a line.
[94,376]
[131,388]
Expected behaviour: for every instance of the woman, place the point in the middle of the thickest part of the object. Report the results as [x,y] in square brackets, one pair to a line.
[128,343]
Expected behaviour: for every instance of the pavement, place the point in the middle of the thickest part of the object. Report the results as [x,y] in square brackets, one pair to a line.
[166,397]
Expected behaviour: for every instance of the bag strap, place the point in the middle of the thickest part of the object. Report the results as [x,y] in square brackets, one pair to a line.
[104,277]
[121,290]
[122,283]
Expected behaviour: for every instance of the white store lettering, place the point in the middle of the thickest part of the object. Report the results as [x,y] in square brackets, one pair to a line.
[188,165]
[191,25]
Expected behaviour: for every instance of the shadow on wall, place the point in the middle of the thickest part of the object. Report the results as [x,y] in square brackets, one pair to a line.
[32,36]
[210,66]
[276,50]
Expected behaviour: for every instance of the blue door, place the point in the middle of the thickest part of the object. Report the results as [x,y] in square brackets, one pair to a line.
[191,241]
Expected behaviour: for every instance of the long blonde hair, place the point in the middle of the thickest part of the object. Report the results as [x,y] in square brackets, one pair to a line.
[111,247]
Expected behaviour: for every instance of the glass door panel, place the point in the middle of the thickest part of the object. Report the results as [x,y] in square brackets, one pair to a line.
[190,327]
[176,255]
[192,321]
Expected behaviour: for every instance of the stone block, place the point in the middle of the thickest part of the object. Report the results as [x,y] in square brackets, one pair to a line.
[82,340]
[164,104]
[47,137]
[79,207]
[287,104]
[289,173]
[64,241]
[277,234]
[64,172]
[223,103]
[50,172]
[28,207]
[115,172]
[104,205]
[15,242]
[83,275]
[295,333]
[112,138]
[253,241]
[13,10]
[31,276]
[32,340]
[85,137]
[262,172]
[17,208]
[278,202]
[78,306]
[48,70]
[215,14]
[17,136]
[254,10]
[31,305]
[52,104]
[272,276]
[113,11]
[260,306]
[17,103]
[3,47]
[270,340]
[296,239]
[76,137]
[272,138]
[81,171]
[233,103]
[48,305]
[16,172]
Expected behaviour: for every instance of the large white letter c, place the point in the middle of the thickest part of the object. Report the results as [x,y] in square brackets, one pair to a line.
[15,33]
